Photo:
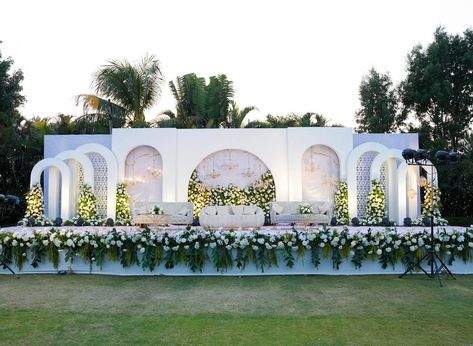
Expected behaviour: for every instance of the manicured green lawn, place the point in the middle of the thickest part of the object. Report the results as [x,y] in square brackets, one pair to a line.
[369,310]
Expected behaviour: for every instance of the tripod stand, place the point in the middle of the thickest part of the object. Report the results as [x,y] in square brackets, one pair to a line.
[6,266]
[419,158]
[432,258]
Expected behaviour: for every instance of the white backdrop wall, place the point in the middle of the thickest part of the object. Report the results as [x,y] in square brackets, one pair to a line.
[280,150]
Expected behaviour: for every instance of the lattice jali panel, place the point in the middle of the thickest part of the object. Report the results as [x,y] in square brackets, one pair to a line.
[100,182]
[363,183]
[384,182]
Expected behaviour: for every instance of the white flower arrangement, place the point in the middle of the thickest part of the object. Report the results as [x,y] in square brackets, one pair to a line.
[122,214]
[375,212]
[305,208]
[260,193]
[432,205]
[34,203]
[341,203]
[87,204]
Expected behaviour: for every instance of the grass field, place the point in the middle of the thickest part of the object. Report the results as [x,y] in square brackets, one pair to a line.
[322,310]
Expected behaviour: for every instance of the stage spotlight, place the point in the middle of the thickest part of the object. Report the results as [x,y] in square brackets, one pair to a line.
[408,154]
[421,155]
[454,156]
[442,155]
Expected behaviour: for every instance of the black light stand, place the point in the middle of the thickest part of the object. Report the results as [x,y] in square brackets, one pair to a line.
[420,158]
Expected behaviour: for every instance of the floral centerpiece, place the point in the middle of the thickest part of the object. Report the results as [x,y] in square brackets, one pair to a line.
[156,211]
[305,208]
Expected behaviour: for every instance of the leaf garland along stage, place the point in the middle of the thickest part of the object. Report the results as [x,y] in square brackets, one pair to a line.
[228,249]
[259,193]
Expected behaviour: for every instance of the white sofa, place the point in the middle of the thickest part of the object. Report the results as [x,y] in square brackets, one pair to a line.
[288,212]
[178,213]
[231,216]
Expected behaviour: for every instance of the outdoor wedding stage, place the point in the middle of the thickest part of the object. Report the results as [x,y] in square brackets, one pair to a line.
[231,202]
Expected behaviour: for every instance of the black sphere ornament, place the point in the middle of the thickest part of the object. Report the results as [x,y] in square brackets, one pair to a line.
[58,221]
[407,222]
[386,222]
[333,221]
[426,221]
[355,221]
[109,222]
[80,221]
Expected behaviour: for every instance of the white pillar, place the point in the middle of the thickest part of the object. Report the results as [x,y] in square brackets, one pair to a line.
[53,193]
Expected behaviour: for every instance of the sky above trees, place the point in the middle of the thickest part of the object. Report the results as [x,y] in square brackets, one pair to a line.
[283,56]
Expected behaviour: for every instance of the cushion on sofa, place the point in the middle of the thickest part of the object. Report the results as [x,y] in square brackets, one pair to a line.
[211,210]
[249,210]
[237,209]
[182,211]
[277,208]
[323,208]
[223,210]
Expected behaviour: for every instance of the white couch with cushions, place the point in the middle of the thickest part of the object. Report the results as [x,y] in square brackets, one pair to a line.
[234,216]
[288,212]
[178,213]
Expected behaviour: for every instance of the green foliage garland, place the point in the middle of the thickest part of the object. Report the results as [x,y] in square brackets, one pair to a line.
[87,204]
[123,216]
[341,203]
[227,249]
[260,193]
[376,201]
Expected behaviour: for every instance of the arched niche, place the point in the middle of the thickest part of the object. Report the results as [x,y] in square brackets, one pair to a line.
[358,175]
[320,173]
[231,168]
[143,176]
[82,172]
[105,177]
[60,187]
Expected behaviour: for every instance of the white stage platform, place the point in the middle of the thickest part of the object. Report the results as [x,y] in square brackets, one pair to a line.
[333,238]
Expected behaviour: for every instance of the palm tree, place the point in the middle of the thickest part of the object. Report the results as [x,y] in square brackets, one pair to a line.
[307,120]
[133,88]
[237,116]
[199,104]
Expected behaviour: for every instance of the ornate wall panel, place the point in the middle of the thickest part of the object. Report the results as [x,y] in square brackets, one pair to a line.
[363,167]
[100,182]
[320,173]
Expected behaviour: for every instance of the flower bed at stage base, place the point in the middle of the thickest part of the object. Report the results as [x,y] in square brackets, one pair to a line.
[200,252]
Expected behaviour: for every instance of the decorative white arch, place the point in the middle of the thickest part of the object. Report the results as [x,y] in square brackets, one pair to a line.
[71,158]
[351,163]
[408,205]
[375,172]
[54,164]
[112,173]
[397,193]
[85,162]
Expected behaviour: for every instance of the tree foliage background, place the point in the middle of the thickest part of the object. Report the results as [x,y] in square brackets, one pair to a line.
[435,99]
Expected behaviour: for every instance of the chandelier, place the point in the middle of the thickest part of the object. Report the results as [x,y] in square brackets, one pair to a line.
[213,174]
[248,172]
[230,164]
